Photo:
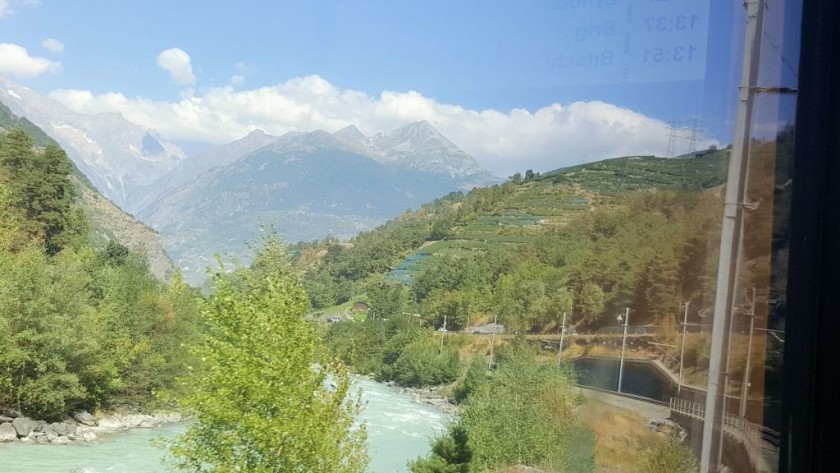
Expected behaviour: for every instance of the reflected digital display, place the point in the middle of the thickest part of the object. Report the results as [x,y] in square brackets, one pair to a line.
[629,41]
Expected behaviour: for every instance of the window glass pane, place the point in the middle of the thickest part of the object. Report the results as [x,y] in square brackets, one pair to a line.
[562,224]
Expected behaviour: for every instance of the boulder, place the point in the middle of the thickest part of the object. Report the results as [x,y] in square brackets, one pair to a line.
[24,426]
[84,418]
[62,428]
[5,418]
[7,432]
[61,439]
[88,436]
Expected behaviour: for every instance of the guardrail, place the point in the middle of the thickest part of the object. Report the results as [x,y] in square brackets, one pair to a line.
[758,441]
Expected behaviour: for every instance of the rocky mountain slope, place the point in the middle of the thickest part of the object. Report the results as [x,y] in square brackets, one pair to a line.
[307,185]
[107,221]
[120,158]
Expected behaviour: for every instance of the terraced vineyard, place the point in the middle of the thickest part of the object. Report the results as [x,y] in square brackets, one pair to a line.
[527,211]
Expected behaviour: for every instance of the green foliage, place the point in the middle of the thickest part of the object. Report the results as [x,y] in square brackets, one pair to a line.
[386,298]
[588,241]
[591,301]
[359,344]
[522,414]
[259,403]
[10,121]
[698,350]
[423,363]
[40,186]
[452,307]
[396,350]
[80,329]
[525,416]
[83,333]
[450,454]
[474,379]
[670,457]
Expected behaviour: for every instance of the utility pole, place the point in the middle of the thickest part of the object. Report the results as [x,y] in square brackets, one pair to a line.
[623,344]
[493,339]
[672,140]
[682,348]
[443,333]
[694,129]
[745,384]
[730,240]
[562,332]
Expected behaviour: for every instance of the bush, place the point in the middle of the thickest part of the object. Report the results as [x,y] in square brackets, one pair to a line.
[526,417]
[670,457]
[258,403]
[476,376]
[697,352]
[422,363]
[450,454]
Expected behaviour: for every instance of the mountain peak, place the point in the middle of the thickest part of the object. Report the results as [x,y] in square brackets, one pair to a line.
[421,146]
[256,137]
[307,141]
[350,134]
[421,127]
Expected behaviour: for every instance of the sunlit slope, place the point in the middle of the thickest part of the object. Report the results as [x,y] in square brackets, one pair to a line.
[514,214]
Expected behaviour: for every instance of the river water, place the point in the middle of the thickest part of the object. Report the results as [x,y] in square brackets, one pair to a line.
[399,430]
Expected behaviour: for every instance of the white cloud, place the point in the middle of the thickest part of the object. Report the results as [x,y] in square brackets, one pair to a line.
[504,141]
[237,79]
[7,10]
[245,68]
[16,61]
[54,45]
[177,62]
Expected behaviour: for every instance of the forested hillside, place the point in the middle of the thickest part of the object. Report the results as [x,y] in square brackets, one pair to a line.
[105,221]
[588,240]
[81,327]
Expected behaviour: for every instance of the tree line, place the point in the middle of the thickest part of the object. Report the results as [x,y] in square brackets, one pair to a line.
[650,251]
[81,327]
[90,328]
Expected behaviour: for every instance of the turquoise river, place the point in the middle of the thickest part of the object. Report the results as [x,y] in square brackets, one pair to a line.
[399,430]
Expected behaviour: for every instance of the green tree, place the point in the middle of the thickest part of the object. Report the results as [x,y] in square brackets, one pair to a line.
[386,298]
[524,417]
[259,403]
[450,454]
[474,379]
[41,186]
[591,301]
[423,363]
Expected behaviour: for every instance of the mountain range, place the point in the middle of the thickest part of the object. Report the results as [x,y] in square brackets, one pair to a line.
[306,184]
[120,158]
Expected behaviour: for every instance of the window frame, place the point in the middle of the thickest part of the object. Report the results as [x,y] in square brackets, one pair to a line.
[811,402]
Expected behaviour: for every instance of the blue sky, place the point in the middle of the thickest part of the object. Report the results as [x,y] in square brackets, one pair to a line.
[517,84]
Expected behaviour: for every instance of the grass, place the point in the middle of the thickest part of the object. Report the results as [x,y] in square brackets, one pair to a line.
[341,309]
[617,433]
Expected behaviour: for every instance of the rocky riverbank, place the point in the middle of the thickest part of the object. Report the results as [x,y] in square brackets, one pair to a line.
[428,396]
[79,426]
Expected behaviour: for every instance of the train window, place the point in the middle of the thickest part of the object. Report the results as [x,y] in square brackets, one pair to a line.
[619,253]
